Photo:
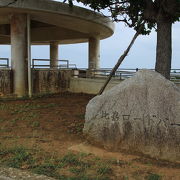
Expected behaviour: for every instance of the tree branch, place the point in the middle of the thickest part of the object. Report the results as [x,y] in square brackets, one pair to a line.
[120,60]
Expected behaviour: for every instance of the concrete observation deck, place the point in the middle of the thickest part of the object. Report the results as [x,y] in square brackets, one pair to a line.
[40,22]
[55,21]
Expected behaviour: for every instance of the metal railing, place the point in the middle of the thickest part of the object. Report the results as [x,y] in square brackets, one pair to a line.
[46,63]
[72,66]
[121,74]
[4,62]
[175,75]
[104,72]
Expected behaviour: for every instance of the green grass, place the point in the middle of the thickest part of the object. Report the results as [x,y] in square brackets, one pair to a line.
[153,177]
[80,116]
[70,159]
[35,124]
[77,170]
[4,129]
[21,108]
[48,169]
[19,156]
[2,120]
[39,162]
[104,169]
[125,178]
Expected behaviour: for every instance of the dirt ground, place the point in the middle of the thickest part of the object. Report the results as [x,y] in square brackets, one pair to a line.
[54,124]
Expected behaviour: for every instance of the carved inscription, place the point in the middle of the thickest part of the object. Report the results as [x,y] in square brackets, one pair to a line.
[153,119]
[115,116]
[105,115]
[126,117]
[175,124]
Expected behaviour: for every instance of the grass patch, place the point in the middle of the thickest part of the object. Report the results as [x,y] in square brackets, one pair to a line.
[80,116]
[70,159]
[125,178]
[153,177]
[77,128]
[16,157]
[77,170]
[48,169]
[21,108]
[77,166]
[35,124]
[104,169]
[2,120]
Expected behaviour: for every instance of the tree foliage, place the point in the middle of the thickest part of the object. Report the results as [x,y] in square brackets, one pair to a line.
[158,14]
[136,12]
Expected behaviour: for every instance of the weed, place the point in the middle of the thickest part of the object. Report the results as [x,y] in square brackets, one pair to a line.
[76,128]
[2,120]
[48,169]
[97,158]
[35,124]
[70,159]
[153,177]
[18,156]
[79,127]
[14,121]
[53,166]
[82,154]
[24,108]
[77,170]
[121,163]
[50,105]
[125,178]
[61,165]
[3,129]
[3,151]
[104,169]
[31,115]
[80,116]
[4,106]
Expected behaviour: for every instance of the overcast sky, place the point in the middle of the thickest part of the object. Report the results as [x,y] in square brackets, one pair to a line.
[142,55]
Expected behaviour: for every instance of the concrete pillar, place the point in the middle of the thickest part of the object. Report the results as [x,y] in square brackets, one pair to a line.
[54,54]
[94,53]
[19,53]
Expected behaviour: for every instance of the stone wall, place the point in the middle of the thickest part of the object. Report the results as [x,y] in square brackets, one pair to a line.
[55,81]
[51,81]
[5,82]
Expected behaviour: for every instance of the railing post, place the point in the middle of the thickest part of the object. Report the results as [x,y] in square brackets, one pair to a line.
[68,64]
[7,62]
[33,63]
[120,77]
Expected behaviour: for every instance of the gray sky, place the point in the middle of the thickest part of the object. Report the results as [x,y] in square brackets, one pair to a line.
[142,55]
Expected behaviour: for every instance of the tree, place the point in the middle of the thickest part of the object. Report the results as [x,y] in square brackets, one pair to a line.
[158,14]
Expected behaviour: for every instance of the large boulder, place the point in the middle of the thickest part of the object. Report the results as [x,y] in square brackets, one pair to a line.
[141,114]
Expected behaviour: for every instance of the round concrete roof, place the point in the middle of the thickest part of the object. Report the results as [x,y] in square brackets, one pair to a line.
[55,21]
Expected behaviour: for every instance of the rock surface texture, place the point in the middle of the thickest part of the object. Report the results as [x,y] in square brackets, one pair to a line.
[141,114]
[17,174]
